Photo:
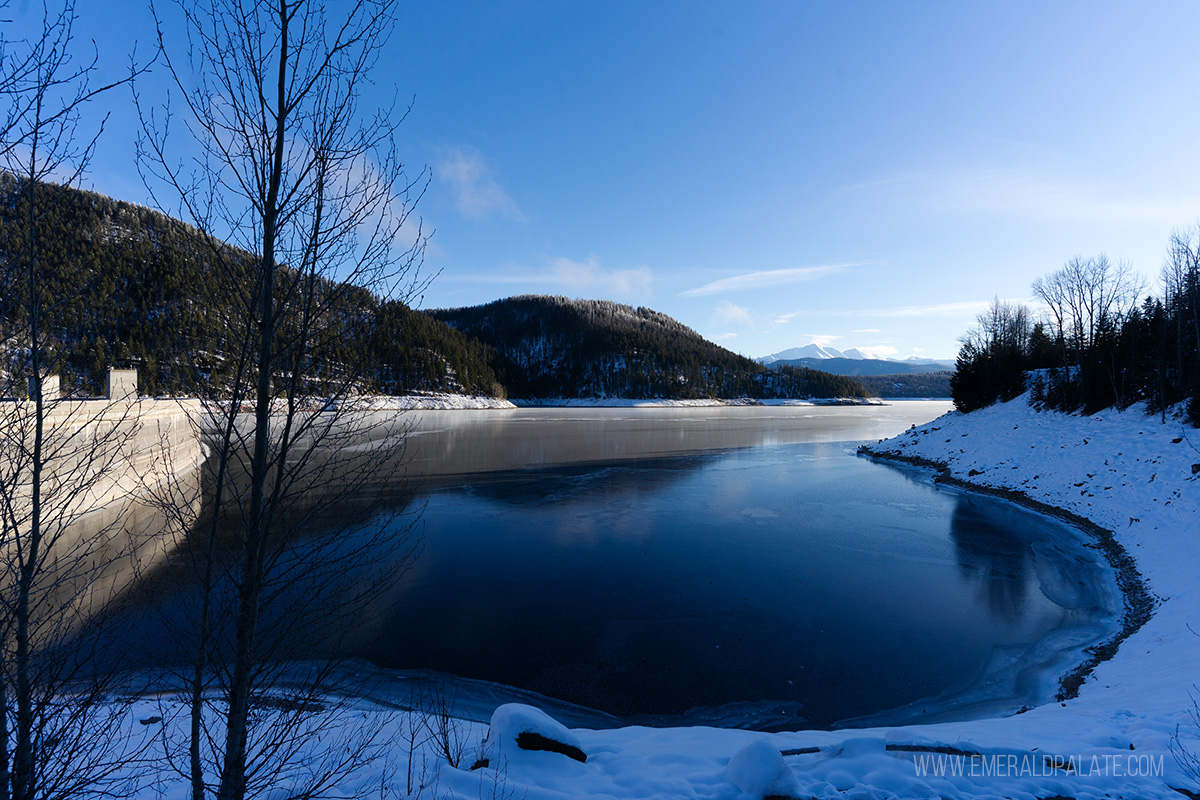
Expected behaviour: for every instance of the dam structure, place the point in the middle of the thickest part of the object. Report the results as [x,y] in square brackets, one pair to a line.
[120,477]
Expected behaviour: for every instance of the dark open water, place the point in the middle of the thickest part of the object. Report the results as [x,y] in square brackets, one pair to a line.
[724,566]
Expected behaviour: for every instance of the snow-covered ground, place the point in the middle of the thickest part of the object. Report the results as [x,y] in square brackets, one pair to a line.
[1125,472]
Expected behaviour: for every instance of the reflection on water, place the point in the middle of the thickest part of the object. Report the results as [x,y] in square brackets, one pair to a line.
[462,442]
[767,577]
[762,584]
[996,557]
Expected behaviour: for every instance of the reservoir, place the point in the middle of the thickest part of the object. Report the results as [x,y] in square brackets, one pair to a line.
[732,566]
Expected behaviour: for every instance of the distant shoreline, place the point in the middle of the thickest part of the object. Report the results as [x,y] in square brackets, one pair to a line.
[445,401]
[627,402]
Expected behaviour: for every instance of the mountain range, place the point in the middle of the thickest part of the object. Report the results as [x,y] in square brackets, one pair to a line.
[883,377]
[853,361]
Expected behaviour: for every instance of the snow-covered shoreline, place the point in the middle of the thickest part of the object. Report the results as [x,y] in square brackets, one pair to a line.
[628,402]
[442,401]
[1125,473]
[428,401]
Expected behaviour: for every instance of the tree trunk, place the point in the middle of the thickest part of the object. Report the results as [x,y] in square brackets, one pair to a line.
[28,552]
[233,777]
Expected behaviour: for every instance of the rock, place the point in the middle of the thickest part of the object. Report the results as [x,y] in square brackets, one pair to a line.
[536,741]
[758,769]
[530,729]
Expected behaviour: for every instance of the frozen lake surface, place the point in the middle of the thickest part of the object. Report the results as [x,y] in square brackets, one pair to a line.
[726,566]
[738,566]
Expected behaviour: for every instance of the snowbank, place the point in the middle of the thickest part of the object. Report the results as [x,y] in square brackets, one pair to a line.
[758,770]
[1124,472]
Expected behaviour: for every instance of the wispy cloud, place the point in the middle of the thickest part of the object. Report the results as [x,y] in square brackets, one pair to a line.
[878,351]
[478,194]
[959,309]
[724,336]
[1028,193]
[728,312]
[1031,193]
[590,274]
[934,310]
[569,275]
[823,339]
[1025,192]
[765,278]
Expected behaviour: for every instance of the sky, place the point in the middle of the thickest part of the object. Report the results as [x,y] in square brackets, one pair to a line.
[771,174]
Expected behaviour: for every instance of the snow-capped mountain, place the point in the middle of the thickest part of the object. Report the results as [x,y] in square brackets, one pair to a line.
[813,350]
[822,351]
[853,361]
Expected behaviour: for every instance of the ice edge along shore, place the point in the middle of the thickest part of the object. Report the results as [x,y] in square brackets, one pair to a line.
[1137,601]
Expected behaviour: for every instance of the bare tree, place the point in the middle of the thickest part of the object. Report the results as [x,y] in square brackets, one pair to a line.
[1181,288]
[59,458]
[306,215]
[993,357]
[1084,294]
[1006,327]
[1087,301]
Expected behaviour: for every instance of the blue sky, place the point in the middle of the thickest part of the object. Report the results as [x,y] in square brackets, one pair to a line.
[861,174]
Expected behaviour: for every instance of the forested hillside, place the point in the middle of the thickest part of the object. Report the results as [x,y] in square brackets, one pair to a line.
[556,347]
[880,378]
[123,285]
[859,367]
[917,384]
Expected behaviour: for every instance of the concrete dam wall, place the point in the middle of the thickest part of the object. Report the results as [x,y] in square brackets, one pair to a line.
[111,467]
[97,452]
